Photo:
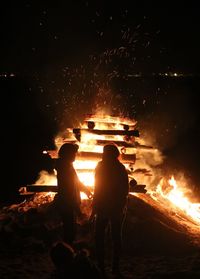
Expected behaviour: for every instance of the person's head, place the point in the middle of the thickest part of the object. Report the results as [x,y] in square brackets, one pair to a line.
[62,255]
[68,151]
[110,151]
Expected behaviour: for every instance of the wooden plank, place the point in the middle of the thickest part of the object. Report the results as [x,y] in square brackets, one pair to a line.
[34,188]
[84,155]
[134,133]
[117,142]
[138,188]
[109,120]
[40,188]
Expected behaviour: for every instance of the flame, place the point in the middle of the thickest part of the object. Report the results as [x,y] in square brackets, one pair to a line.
[173,193]
[167,191]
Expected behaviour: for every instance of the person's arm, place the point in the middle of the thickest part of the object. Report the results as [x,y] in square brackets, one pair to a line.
[83,188]
[126,182]
[125,185]
[95,195]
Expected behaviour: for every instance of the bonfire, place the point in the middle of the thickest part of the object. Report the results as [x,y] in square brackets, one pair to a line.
[167,195]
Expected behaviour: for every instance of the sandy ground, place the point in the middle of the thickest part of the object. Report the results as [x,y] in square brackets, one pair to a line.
[153,246]
[37,264]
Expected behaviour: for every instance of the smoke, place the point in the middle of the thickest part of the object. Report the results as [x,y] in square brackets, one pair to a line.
[45,178]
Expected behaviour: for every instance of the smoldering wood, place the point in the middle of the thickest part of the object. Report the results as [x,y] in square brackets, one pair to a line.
[134,133]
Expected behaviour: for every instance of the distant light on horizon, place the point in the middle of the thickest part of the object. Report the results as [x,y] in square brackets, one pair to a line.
[175,74]
[7,75]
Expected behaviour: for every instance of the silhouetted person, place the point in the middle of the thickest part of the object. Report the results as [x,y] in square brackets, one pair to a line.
[69,186]
[71,264]
[109,203]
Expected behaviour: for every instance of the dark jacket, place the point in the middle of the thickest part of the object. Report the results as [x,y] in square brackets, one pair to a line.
[111,187]
[68,184]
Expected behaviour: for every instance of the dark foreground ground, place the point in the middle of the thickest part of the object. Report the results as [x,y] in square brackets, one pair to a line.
[155,246]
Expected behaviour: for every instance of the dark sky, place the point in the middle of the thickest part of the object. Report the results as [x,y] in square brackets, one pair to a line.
[69,57]
[78,54]
[44,36]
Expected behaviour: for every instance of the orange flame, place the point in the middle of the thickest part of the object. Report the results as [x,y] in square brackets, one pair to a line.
[173,193]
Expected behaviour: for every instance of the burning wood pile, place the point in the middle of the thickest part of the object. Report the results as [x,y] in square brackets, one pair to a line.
[93,134]
[141,161]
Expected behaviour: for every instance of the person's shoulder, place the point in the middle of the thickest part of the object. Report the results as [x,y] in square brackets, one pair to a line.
[122,168]
[99,164]
[121,165]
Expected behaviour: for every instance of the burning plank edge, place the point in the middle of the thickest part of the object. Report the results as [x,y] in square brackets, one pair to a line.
[91,118]
[139,188]
[134,145]
[30,189]
[94,155]
[135,133]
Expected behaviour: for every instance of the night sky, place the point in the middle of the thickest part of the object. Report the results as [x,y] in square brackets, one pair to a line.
[41,37]
[60,60]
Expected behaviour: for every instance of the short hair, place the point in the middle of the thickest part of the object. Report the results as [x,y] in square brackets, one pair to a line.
[111,150]
[67,148]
